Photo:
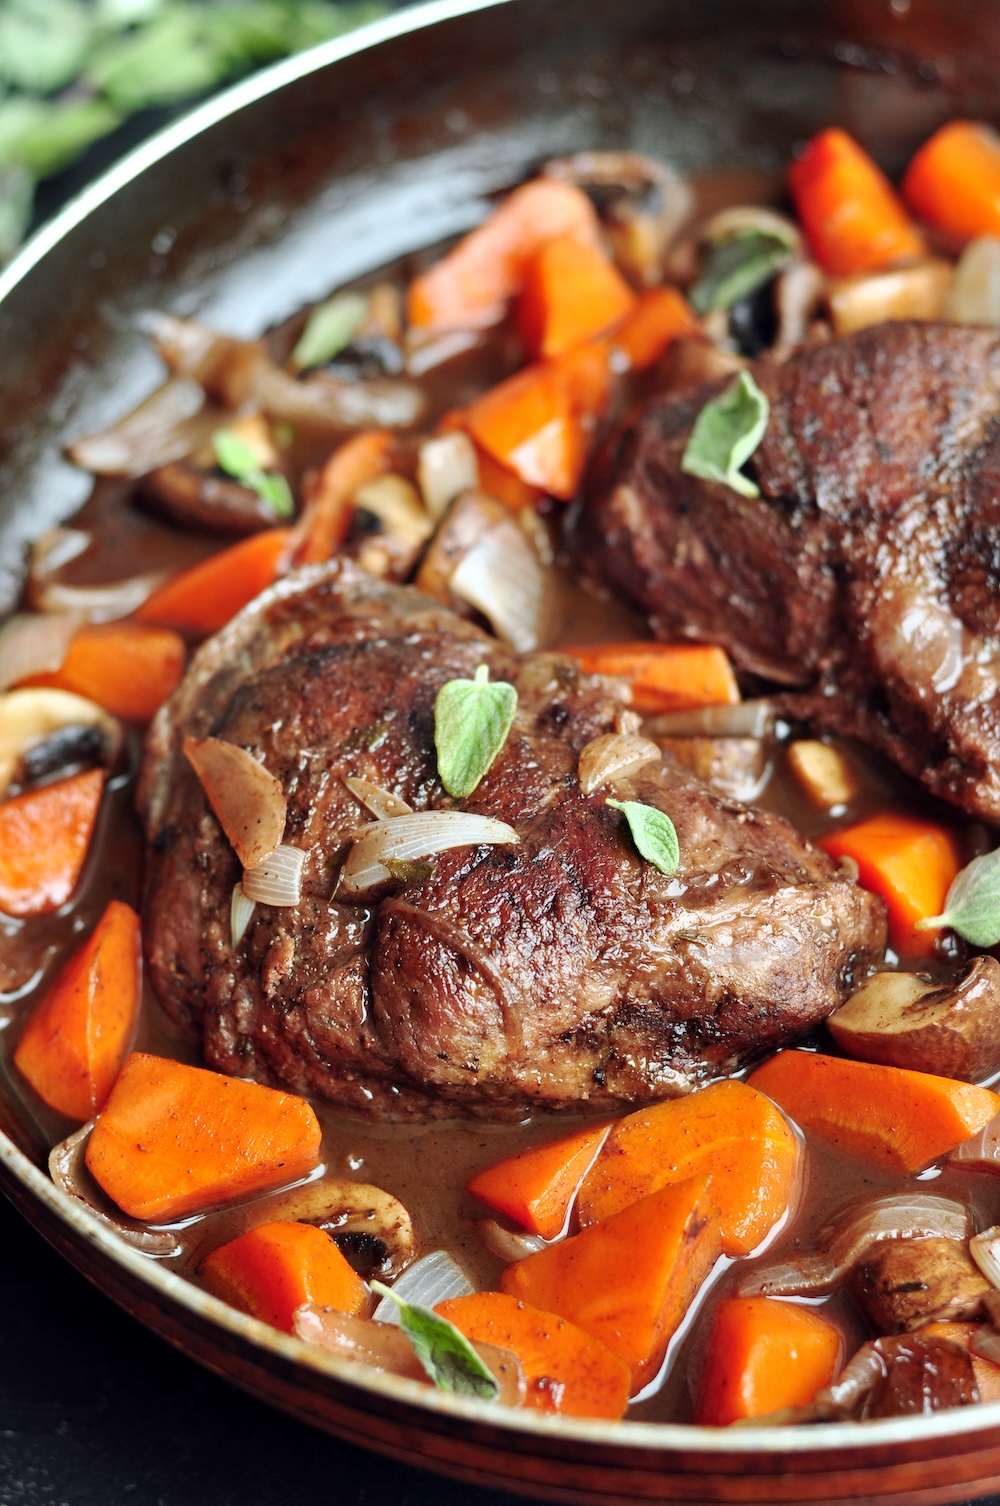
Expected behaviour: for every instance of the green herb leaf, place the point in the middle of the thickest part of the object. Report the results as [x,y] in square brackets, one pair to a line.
[329,328]
[238,460]
[471,721]
[445,1352]
[652,832]
[972,906]
[726,433]
[738,266]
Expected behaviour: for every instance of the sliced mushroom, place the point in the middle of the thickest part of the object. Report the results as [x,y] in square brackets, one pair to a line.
[822,771]
[901,1284]
[921,1374]
[194,498]
[371,1227]
[642,204]
[736,766]
[45,730]
[390,528]
[904,1020]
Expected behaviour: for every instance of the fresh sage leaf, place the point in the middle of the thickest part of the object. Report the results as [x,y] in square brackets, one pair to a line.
[972,905]
[471,721]
[653,833]
[238,460]
[738,266]
[726,433]
[445,1352]
[329,328]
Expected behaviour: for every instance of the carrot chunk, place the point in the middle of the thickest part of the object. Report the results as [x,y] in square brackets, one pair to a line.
[887,1115]
[953,181]
[665,676]
[628,1281]
[566,1370]
[910,863]
[762,1355]
[571,293]
[271,1270]
[726,1131]
[73,1046]
[987,1373]
[539,422]
[470,287]
[127,667]
[173,1139]
[44,836]
[329,510]
[537,1187]
[203,599]
[852,217]
[660,316]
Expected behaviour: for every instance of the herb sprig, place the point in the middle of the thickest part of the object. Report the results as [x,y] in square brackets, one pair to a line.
[726,433]
[442,1349]
[471,721]
[972,905]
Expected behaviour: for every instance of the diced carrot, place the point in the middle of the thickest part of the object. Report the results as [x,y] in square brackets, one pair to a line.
[129,668]
[271,1270]
[665,676]
[986,1372]
[763,1355]
[660,316]
[851,215]
[887,1115]
[911,863]
[571,293]
[539,422]
[327,517]
[173,1139]
[203,599]
[503,484]
[953,181]
[470,287]
[726,1131]
[44,836]
[536,1188]
[628,1281]
[566,1370]
[75,1041]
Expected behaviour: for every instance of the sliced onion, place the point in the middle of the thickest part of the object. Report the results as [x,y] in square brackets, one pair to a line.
[35,643]
[986,1343]
[612,756]
[383,804]
[240,915]
[431,1279]
[278,880]
[904,1216]
[69,1173]
[423,355]
[975,292]
[860,1375]
[30,716]
[446,467]
[797,294]
[985,1251]
[745,719]
[247,800]
[417,836]
[983,1149]
[166,426]
[53,550]
[507,1243]
[501,576]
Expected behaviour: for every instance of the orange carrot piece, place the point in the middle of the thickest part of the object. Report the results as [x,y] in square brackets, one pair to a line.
[271,1270]
[566,1370]
[173,1139]
[763,1355]
[536,1188]
[328,513]
[851,215]
[630,1280]
[886,1115]
[75,1041]
[470,287]
[726,1131]
[986,1372]
[203,599]
[538,423]
[44,836]
[571,293]
[953,181]
[129,668]
[660,316]
[665,676]
[503,484]
[911,863]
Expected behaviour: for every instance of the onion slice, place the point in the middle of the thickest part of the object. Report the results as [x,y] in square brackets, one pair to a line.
[417,836]
[383,804]
[613,756]
[982,1149]
[166,426]
[446,467]
[502,577]
[432,1279]
[69,1173]
[46,592]
[508,1244]
[247,800]
[985,1251]
[35,643]
[745,719]
[240,915]
[278,879]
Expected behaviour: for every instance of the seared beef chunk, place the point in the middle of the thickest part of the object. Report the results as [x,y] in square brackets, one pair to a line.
[867,575]
[561,970]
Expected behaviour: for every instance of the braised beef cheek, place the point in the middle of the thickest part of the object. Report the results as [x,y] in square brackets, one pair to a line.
[561,970]
[867,574]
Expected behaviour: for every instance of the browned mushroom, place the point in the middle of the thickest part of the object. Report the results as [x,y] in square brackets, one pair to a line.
[901,1284]
[642,203]
[370,1226]
[185,494]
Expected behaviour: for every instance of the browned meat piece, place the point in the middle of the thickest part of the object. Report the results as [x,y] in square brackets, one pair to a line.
[561,970]
[904,1283]
[867,575]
